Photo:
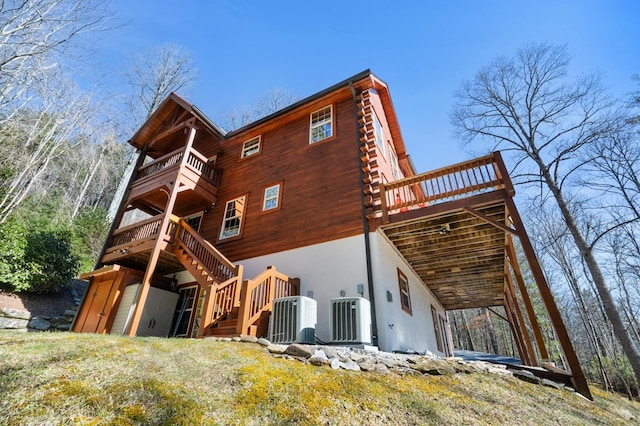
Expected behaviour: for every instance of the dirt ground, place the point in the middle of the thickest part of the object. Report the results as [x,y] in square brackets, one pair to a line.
[48,305]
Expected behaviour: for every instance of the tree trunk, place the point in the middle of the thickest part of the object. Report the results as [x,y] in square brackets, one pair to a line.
[596,274]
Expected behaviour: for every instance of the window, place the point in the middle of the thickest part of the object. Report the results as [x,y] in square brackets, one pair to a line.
[378,133]
[232,220]
[436,328]
[250,147]
[405,296]
[394,163]
[194,221]
[321,125]
[271,198]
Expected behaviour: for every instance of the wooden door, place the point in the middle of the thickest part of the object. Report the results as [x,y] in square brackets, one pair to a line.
[97,305]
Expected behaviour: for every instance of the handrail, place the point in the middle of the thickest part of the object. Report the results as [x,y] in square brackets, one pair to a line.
[209,257]
[476,176]
[257,296]
[195,160]
[201,164]
[142,230]
[160,164]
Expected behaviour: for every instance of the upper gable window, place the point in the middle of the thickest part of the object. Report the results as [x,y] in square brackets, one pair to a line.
[321,124]
[378,133]
[250,147]
[233,216]
[394,163]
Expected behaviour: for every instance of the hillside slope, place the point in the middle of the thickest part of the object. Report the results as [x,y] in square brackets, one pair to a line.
[65,378]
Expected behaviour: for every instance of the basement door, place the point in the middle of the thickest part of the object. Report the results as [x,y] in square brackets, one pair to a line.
[98,307]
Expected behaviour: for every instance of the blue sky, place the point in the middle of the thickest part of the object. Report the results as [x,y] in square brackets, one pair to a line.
[423,50]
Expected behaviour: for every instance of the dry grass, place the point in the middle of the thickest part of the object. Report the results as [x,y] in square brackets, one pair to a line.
[64,378]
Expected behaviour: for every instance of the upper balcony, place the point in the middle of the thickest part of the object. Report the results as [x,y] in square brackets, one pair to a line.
[196,177]
[451,225]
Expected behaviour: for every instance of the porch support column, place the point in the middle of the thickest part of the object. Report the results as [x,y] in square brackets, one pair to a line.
[132,328]
[523,326]
[514,329]
[513,261]
[578,378]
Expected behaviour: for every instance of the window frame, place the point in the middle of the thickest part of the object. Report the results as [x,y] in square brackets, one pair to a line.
[243,154]
[395,166]
[278,197]
[402,279]
[199,214]
[378,133]
[240,218]
[313,126]
[436,328]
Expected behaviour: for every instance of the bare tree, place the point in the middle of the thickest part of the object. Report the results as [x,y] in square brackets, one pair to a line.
[527,105]
[272,101]
[153,75]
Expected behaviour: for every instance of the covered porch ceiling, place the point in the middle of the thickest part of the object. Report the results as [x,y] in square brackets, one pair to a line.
[458,255]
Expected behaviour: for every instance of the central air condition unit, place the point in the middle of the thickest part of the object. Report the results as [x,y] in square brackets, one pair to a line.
[350,320]
[293,320]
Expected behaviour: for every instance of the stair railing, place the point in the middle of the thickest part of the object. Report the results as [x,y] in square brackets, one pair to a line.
[257,295]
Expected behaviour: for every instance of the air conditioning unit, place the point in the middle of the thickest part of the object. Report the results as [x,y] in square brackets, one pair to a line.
[350,320]
[293,320]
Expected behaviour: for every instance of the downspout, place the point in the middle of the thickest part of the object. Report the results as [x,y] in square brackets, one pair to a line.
[365,226]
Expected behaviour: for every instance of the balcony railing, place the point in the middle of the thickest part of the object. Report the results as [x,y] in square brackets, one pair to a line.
[195,161]
[460,180]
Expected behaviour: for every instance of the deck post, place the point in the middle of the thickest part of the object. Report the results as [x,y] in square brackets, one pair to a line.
[132,328]
[514,329]
[578,377]
[523,328]
[513,261]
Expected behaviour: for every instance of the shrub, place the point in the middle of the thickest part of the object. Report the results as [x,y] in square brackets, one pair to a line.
[39,261]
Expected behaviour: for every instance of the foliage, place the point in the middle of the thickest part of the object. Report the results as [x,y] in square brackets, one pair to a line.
[63,378]
[37,261]
[89,230]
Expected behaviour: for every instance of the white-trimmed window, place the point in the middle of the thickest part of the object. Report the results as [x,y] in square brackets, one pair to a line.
[394,163]
[233,216]
[271,198]
[378,133]
[405,295]
[321,124]
[250,147]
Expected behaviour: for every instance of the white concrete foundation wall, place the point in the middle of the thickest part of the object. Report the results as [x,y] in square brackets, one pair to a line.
[325,270]
[397,329]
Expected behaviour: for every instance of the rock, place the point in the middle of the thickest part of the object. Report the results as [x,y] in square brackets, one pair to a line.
[368,365]
[526,376]
[15,313]
[264,342]
[277,349]
[38,323]
[235,339]
[249,339]
[213,338]
[318,358]
[62,327]
[330,351]
[301,351]
[226,339]
[13,323]
[433,367]
[551,384]
[499,371]
[70,312]
[348,365]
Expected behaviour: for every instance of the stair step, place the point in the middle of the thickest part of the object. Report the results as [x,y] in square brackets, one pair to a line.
[222,331]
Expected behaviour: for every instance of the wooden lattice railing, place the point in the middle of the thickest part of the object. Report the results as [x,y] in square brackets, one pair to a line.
[135,234]
[258,294]
[460,180]
[195,160]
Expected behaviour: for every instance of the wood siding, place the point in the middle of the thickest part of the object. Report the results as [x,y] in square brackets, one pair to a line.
[320,192]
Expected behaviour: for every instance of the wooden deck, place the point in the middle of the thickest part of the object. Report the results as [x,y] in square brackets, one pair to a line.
[450,226]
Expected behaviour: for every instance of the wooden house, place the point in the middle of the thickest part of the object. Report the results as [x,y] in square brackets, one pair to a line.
[319,199]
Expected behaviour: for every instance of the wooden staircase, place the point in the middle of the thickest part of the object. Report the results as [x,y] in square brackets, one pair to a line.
[232,307]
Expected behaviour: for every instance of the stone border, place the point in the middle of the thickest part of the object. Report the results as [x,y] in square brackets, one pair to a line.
[346,358]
